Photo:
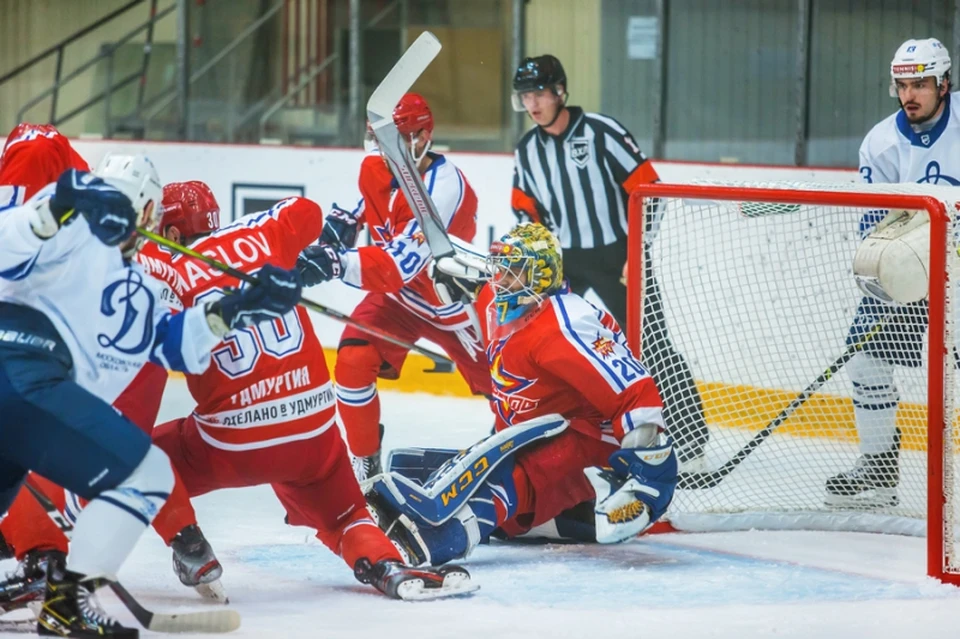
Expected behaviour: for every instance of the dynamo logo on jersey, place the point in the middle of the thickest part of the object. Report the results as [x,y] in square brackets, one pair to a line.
[127,306]
[932,175]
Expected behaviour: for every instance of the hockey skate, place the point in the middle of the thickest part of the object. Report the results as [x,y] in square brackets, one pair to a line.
[397,581]
[870,484]
[366,467]
[71,609]
[27,585]
[196,565]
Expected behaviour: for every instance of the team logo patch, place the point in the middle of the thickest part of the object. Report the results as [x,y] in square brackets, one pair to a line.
[580,151]
[507,389]
[603,346]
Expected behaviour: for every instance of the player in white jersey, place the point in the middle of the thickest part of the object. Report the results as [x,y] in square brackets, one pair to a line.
[919,143]
[78,319]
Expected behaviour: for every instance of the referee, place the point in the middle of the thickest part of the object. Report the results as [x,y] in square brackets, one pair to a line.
[573,173]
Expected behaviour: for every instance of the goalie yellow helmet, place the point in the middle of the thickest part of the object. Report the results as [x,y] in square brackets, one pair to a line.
[527,264]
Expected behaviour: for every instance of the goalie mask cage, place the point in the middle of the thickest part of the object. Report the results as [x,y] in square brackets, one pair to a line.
[753,286]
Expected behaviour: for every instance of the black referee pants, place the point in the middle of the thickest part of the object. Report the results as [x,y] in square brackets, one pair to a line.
[600,268]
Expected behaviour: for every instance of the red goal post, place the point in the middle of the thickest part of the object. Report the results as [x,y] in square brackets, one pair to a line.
[716,212]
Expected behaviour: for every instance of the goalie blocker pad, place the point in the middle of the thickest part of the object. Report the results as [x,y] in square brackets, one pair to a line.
[449,487]
[892,264]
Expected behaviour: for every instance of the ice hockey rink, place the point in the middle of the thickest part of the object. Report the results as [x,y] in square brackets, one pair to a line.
[731,585]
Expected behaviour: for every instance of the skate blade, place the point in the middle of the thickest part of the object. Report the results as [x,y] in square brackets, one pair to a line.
[454,585]
[18,626]
[868,500]
[213,591]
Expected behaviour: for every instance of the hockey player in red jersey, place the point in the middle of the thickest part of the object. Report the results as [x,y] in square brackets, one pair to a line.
[34,156]
[402,299]
[265,409]
[579,416]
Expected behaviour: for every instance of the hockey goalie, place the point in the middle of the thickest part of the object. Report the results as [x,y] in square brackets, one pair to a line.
[579,425]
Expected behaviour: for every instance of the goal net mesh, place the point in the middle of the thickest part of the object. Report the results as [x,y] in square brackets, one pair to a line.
[744,305]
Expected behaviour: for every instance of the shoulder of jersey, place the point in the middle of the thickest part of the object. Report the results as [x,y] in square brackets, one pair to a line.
[883,135]
[248,220]
[605,122]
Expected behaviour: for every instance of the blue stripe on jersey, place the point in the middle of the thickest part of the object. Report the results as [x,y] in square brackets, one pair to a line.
[21,270]
[169,341]
[114,502]
[14,199]
[924,139]
[558,299]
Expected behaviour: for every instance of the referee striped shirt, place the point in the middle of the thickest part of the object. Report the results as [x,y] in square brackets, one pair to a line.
[578,182]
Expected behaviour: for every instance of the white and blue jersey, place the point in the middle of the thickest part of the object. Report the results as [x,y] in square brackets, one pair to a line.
[893,152]
[107,310]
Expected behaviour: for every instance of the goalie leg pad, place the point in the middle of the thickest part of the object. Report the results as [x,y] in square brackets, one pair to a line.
[418,464]
[454,483]
[426,544]
[634,493]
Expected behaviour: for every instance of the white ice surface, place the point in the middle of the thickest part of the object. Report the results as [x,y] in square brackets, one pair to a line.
[723,585]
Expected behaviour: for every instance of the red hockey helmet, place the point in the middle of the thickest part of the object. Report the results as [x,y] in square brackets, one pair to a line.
[189,207]
[412,114]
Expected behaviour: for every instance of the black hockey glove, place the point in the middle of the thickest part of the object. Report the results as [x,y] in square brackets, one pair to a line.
[107,210]
[276,292]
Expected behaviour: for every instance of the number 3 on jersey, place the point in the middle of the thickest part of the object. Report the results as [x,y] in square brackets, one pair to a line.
[242,348]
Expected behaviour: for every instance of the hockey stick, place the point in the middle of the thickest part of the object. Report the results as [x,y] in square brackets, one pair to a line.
[208,621]
[380,106]
[441,363]
[700,481]
[388,93]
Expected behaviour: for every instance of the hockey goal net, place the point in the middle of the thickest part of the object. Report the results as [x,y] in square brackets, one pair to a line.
[814,407]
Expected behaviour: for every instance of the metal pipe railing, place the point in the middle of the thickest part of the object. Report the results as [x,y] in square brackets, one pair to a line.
[167,97]
[69,40]
[276,106]
[79,70]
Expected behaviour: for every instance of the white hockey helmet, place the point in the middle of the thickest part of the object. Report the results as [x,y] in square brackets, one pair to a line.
[919,59]
[136,177]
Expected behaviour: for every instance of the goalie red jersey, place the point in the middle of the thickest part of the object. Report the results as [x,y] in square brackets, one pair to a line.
[396,264]
[566,356]
[267,384]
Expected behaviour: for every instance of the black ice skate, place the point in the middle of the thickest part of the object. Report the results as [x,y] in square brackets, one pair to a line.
[397,581]
[196,565]
[28,584]
[871,484]
[71,609]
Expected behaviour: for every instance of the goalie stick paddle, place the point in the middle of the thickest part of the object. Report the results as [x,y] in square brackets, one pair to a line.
[441,364]
[207,621]
[710,479]
[388,93]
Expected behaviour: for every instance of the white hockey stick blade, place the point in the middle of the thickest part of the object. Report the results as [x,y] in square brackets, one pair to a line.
[214,622]
[404,73]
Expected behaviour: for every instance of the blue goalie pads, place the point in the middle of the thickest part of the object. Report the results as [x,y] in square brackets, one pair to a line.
[418,464]
[448,488]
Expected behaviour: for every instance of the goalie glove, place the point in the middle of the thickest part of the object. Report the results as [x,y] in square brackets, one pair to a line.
[634,492]
[457,275]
